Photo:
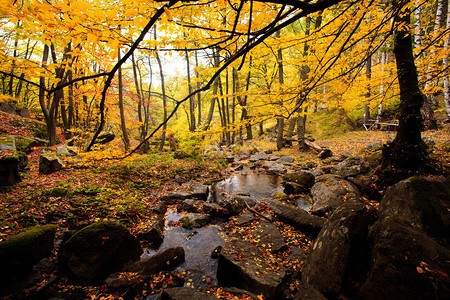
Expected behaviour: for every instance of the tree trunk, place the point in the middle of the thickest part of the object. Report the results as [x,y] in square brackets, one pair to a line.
[301,130]
[445,63]
[163,90]
[199,85]
[380,104]
[280,122]
[215,89]
[191,99]
[407,152]
[126,140]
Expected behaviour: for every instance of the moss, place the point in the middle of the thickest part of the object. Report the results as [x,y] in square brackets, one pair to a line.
[24,143]
[374,159]
[428,198]
[186,222]
[280,196]
[27,238]
[57,192]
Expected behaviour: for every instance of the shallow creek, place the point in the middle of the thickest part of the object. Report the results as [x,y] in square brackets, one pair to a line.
[199,243]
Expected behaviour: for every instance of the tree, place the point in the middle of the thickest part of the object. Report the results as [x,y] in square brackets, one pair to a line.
[407,151]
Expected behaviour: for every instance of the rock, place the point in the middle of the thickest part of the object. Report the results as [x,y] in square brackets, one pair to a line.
[269,235]
[298,182]
[20,252]
[422,202]
[405,264]
[105,138]
[258,156]
[307,292]
[345,155]
[153,234]
[367,186]
[297,217]
[236,203]
[49,163]
[352,166]
[9,169]
[180,179]
[7,142]
[168,259]
[26,144]
[23,112]
[298,254]
[197,191]
[160,208]
[185,293]
[280,196]
[190,205]
[215,210]
[286,160]
[245,218]
[98,250]
[273,157]
[240,266]
[64,150]
[329,192]
[274,167]
[374,146]
[337,249]
[194,220]
[9,108]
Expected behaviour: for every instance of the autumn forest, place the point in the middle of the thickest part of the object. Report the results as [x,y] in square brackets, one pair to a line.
[144,103]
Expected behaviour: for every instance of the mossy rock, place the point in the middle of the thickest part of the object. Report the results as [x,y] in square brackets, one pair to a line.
[49,163]
[7,142]
[98,250]
[25,144]
[422,202]
[374,159]
[280,196]
[22,251]
[9,168]
[57,191]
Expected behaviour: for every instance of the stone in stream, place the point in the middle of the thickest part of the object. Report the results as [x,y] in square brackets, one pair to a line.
[273,167]
[237,203]
[196,191]
[241,265]
[352,166]
[194,220]
[297,217]
[215,210]
[98,250]
[298,182]
[330,191]
[153,233]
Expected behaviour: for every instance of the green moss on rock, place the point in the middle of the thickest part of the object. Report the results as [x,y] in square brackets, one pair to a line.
[22,251]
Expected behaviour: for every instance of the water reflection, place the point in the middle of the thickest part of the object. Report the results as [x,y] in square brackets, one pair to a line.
[258,186]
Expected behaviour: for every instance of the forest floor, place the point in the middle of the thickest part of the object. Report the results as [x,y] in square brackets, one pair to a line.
[127,190]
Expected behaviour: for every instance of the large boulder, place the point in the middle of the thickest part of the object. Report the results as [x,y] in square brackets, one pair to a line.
[153,232]
[329,192]
[352,166]
[49,163]
[405,263]
[26,144]
[9,168]
[240,265]
[98,250]
[298,182]
[297,217]
[336,252]
[20,252]
[422,202]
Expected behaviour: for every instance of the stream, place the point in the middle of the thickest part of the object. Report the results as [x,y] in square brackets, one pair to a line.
[199,243]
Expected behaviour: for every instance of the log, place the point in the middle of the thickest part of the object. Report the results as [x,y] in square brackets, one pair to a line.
[323,152]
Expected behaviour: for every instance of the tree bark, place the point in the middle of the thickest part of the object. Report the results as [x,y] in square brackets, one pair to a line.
[126,140]
[407,152]
[191,99]
[280,121]
[445,63]
[163,90]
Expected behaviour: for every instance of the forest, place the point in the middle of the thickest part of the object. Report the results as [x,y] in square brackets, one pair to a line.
[110,110]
